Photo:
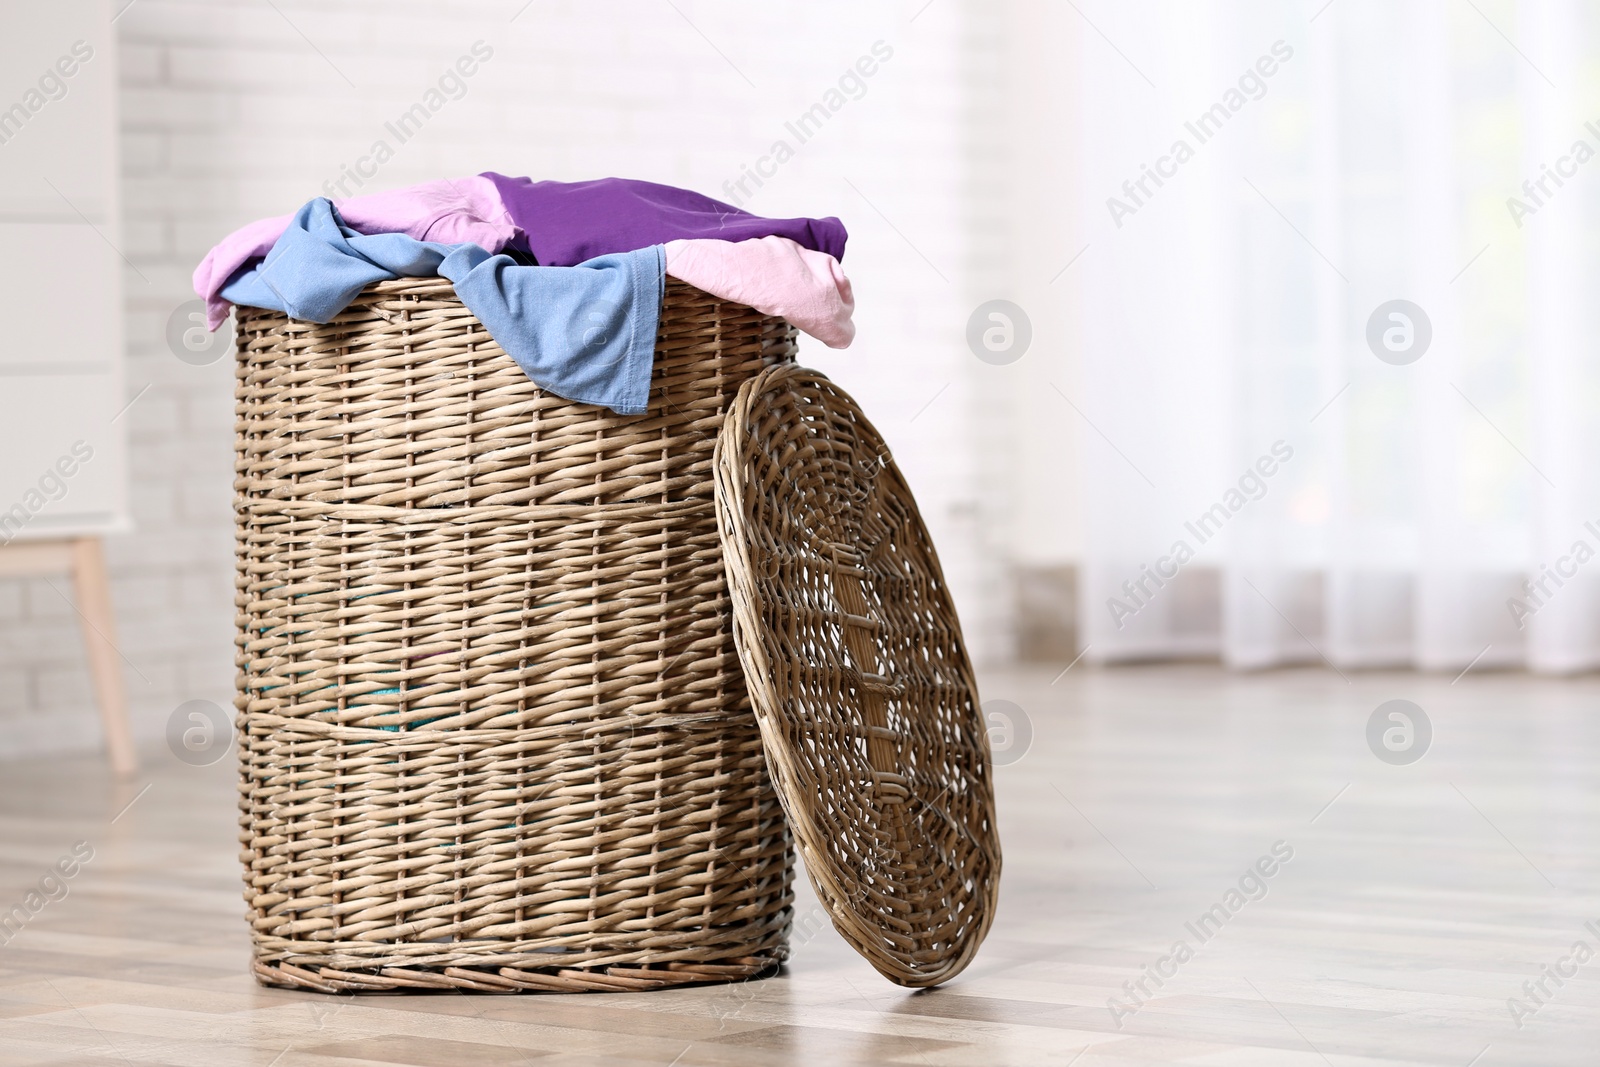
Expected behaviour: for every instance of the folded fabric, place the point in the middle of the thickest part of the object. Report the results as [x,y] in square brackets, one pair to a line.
[451,211]
[585,332]
[775,276]
[558,223]
[569,222]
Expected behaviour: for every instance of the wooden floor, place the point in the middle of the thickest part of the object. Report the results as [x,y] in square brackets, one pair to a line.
[1418,900]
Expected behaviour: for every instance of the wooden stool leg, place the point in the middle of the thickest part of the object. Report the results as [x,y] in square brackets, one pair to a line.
[93,591]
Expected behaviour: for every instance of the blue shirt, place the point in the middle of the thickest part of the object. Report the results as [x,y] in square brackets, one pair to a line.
[586,333]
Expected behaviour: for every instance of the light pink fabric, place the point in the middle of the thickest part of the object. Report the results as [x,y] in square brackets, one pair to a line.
[776,276]
[449,211]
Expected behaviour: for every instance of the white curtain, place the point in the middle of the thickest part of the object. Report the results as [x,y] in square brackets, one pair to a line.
[1308,166]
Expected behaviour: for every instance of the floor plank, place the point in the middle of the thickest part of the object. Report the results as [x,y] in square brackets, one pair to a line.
[1417,902]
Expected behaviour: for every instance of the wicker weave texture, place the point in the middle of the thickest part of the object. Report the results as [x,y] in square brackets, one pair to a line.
[859,677]
[493,730]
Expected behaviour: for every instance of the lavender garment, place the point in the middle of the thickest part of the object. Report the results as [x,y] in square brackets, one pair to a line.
[776,277]
[564,223]
[449,211]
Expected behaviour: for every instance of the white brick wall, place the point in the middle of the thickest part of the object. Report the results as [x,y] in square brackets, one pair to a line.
[229,114]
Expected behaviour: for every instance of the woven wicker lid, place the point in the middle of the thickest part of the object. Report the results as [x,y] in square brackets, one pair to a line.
[859,679]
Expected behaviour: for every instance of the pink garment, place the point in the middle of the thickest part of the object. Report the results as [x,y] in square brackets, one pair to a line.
[774,275]
[449,211]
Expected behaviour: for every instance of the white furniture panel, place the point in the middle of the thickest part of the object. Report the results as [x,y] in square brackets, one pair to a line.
[57,275]
[63,464]
[61,354]
[58,133]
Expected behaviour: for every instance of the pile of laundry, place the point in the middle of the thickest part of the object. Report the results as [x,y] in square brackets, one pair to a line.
[566,276]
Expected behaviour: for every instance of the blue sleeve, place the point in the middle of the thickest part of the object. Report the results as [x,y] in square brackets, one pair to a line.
[586,333]
[319,265]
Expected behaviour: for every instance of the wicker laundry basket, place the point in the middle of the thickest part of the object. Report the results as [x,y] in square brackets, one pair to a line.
[493,730]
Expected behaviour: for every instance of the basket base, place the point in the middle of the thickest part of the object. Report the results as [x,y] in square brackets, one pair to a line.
[513,979]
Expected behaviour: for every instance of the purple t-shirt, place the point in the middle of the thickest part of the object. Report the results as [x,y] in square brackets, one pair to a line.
[566,223]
